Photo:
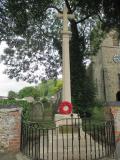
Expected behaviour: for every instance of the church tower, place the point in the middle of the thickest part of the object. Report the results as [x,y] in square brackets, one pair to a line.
[106,69]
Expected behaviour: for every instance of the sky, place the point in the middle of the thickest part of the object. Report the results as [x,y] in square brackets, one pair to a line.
[7,84]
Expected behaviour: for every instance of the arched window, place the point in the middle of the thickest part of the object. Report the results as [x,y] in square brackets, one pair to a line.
[118,96]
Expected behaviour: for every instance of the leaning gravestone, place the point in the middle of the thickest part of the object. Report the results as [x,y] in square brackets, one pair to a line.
[29,99]
[37,112]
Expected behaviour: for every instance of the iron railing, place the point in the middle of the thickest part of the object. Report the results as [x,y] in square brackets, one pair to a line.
[72,139]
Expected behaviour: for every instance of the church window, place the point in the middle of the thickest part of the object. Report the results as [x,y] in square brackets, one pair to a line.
[104,86]
[118,96]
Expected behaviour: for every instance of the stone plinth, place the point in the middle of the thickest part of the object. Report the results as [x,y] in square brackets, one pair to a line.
[10,128]
[69,120]
[61,119]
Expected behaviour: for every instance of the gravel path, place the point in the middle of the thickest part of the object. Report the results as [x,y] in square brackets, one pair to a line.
[7,156]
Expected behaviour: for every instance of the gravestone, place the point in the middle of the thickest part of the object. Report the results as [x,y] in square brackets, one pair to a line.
[37,112]
[29,99]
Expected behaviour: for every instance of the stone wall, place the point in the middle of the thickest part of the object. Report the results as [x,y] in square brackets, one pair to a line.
[112,110]
[10,128]
[105,70]
[116,114]
[115,109]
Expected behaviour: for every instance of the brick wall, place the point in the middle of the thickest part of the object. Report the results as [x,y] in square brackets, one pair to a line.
[10,128]
[116,114]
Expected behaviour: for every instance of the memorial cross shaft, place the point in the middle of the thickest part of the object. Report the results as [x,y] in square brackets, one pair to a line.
[66,34]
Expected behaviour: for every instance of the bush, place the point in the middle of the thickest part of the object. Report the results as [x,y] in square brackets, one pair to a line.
[12,95]
[98,114]
[28,92]
[49,88]
[58,86]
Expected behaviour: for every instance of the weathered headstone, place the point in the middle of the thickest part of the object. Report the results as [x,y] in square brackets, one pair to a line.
[37,112]
[29,99]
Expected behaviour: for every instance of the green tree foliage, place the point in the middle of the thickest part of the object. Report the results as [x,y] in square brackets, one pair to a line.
[27,92]
[31,30]
[49,88]
[107,11]
[96,37]
[43,88]
[57,85]
[12,95]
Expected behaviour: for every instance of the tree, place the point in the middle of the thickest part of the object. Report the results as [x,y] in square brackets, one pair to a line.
[107,11]
[27,92]
[49,88]
[12,95]
[43,89]
[31,30]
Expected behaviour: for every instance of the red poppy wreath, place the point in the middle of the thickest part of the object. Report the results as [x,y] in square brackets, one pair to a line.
[65,107]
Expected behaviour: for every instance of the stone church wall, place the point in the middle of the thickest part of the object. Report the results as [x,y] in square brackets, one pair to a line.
[105,70]
[97,69]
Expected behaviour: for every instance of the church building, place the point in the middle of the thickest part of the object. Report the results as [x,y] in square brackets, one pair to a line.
[106,69]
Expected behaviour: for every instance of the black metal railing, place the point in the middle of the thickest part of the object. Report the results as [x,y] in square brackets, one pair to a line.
[72,139]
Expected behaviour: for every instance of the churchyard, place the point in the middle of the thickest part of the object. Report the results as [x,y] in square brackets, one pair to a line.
[43,137]
[57,127]
[48,134]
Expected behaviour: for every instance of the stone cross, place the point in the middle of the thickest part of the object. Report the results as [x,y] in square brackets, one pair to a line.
[65,17]
[66,96]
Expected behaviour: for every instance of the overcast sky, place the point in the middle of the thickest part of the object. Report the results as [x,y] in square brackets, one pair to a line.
[7,84]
